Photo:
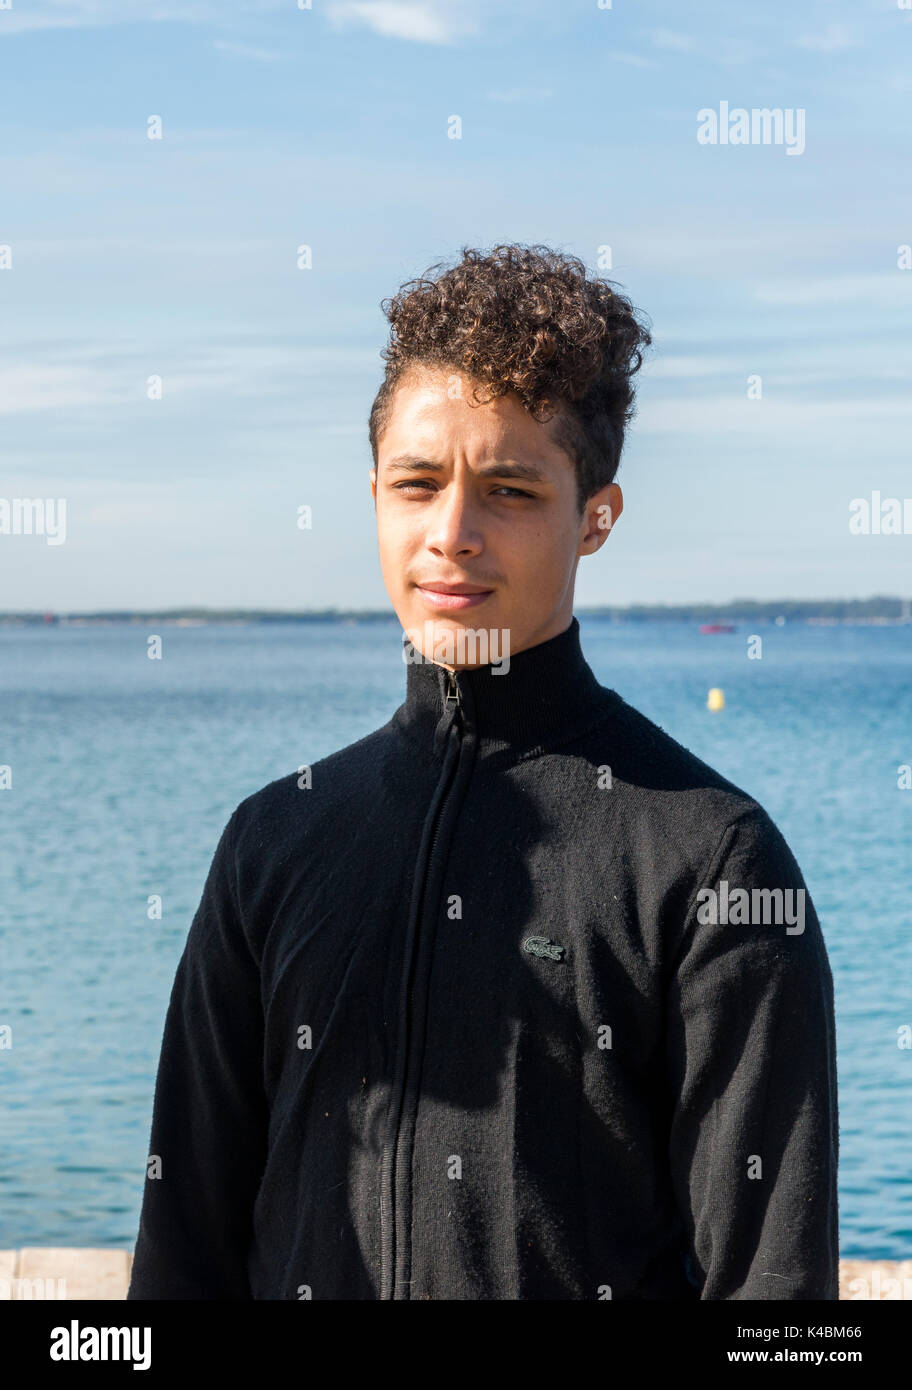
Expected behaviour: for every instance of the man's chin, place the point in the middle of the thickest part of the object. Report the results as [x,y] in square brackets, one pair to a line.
[460,642]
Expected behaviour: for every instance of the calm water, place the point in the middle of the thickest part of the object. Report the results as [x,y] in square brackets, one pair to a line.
[125,771]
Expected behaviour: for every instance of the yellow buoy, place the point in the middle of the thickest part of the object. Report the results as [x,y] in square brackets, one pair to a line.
[715,699]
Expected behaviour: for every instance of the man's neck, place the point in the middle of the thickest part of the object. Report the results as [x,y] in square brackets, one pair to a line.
[546,693]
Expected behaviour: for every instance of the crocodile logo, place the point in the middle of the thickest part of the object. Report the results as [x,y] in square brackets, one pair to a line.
[544,946]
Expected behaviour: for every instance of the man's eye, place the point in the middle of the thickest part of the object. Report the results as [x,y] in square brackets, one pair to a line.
[423,486]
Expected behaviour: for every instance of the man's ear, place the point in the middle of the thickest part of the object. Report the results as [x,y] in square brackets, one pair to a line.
[373,480]
[602,510]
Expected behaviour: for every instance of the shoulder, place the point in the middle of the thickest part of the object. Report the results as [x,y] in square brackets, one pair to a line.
[676,802]
[648,756]
[285,809]
[667,787]
[276,841]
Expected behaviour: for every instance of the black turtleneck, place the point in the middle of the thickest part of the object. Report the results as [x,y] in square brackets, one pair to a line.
[543,694]
[513,998]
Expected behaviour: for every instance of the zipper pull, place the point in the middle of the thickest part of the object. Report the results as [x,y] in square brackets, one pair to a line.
[452,717]
[453,691]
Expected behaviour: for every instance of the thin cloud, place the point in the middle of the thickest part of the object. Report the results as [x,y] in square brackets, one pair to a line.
[401,19]
[676,43]
[38,388]
[835,39]
[98,376]
[728,51]
[732,413]
[688,367]
[633,60]
[521,94]
[96,14]
[243,50]
[882,289]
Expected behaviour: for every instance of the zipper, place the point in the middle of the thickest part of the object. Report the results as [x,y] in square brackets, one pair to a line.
[389,1166]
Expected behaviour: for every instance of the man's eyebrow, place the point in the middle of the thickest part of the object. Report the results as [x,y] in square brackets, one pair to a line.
[411,463]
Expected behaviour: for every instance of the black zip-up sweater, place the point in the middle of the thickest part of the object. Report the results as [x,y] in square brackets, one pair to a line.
[448,1023]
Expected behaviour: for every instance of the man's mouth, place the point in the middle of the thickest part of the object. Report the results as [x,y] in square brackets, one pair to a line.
[438,594]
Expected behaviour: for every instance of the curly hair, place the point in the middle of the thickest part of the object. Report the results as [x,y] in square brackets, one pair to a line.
[525,319]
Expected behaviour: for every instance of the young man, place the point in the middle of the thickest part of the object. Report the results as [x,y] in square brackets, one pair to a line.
[514,998]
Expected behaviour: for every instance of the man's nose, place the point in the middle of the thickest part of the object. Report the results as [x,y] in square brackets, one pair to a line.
[454,522]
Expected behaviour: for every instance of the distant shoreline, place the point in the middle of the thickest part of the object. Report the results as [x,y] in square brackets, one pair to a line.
[880,611]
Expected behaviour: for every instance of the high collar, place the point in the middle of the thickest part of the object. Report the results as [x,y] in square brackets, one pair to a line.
[547,694]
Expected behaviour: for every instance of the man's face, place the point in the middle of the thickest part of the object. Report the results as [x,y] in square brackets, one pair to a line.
[479,496]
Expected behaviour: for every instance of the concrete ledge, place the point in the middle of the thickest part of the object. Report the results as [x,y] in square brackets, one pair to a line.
[64,1273]
[881,1279]
[46,1272]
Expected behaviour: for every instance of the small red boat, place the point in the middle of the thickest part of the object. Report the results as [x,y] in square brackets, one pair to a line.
[717,627]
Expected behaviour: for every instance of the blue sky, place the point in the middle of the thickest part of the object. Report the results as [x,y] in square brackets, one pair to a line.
[328,127]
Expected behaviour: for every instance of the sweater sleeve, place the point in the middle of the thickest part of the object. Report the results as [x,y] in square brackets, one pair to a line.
[210,1115]
[751,1058]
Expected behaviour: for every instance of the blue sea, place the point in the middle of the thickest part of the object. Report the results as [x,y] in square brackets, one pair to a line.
[125,769]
